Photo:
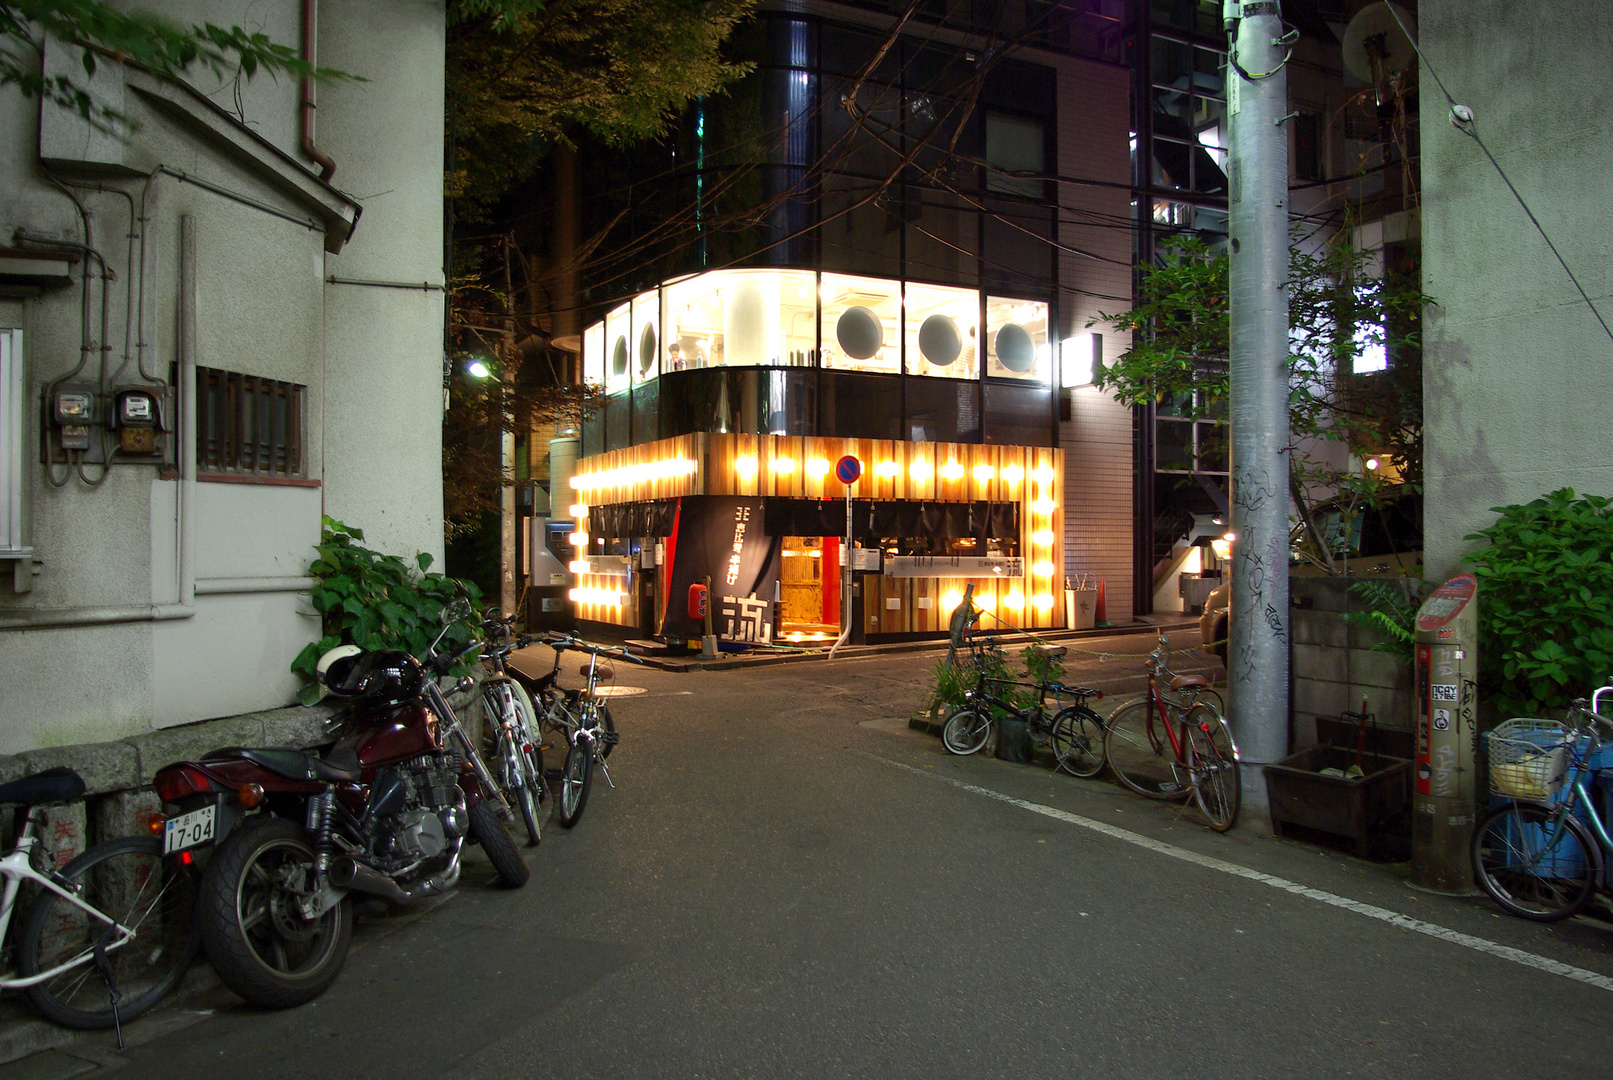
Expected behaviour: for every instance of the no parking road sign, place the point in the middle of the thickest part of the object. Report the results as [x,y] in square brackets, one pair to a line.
[848,470]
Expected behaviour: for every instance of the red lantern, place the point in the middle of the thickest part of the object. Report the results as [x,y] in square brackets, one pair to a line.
[697,602]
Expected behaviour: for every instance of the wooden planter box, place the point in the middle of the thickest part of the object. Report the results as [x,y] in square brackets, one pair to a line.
[1301,795]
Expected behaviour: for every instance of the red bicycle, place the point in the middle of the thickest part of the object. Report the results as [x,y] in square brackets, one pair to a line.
[1174,743]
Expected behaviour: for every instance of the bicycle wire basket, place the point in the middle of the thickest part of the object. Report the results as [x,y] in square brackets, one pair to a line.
[1528,759]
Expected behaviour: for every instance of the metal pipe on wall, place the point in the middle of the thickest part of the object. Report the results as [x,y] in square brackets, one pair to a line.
[310,53]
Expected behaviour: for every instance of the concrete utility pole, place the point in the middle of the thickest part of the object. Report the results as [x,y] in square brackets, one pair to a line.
[1257,656]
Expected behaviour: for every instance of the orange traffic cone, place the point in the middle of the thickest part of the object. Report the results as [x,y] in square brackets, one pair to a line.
[1100,611]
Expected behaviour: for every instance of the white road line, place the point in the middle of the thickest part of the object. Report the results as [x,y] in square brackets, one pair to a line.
[1393,918]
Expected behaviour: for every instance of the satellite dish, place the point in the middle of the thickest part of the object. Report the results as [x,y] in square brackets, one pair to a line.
[939,340]
[1374,44]
[859,333]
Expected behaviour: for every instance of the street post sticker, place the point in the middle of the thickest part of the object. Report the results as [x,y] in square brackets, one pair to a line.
[1442,692]
[1442,719]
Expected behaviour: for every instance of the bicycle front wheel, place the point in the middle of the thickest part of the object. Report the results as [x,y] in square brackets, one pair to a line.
[522,792]
[1532,867]
[575,780]
[127,880]
[1213,760]
[1140,754]
[966,730]
[1078,741]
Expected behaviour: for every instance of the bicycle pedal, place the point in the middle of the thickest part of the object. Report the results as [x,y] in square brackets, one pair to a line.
[554,774]
[610,738]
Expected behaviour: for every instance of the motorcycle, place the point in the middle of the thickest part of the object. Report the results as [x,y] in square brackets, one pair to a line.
[382,812]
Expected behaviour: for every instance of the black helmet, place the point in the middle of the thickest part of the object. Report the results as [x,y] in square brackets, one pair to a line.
[387,675]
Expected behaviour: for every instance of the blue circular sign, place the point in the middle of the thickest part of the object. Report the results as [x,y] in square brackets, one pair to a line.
[848,470]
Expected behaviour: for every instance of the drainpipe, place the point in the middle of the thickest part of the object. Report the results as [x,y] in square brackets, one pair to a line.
[187,413]
[310,36]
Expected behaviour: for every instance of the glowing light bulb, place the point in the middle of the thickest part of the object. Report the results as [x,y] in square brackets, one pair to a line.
[952,470]
[888,469]
[1043,569]
[579,566]
[984,473]
[920,470]
[1044,506]
[746,467]
[579,538]
[1014,600]
[1043,536]
[818,466]
[785,465]
[579,510]
[1013,474]
[951,600]
[1044,475]
[985,602]
[1043,601]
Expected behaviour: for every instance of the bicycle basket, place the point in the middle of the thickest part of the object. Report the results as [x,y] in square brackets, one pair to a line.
[1528,759]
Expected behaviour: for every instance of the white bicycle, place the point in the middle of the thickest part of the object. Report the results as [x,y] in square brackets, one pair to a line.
[110,933]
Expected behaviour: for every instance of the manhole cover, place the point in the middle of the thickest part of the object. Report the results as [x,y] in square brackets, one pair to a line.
[617,691]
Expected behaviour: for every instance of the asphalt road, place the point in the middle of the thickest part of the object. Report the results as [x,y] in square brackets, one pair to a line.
[788,882]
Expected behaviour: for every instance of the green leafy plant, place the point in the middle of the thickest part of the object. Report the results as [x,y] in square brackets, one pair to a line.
[1546,601]
[1391,609]
[377,601]
[1181,344]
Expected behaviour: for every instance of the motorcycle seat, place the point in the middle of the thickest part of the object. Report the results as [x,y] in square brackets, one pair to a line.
[60,784]
[291,763]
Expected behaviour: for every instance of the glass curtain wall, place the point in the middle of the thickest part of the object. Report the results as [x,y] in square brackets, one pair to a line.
[1180,171]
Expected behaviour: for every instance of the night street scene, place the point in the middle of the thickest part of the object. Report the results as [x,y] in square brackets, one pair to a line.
[805,538]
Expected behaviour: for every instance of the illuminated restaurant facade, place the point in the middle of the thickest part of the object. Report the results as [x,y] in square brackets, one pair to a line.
[938,346]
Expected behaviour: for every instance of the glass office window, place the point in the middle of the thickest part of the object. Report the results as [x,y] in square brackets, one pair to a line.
[593,354]
[861,324]
[1015,145]
[646,356]
[942,332]
[618,348]
[1016,333]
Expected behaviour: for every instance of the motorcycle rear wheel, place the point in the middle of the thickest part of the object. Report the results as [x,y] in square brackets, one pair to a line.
[258,941]
[487,830]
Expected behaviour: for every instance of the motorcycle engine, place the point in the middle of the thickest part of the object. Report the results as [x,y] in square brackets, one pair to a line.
[432,813]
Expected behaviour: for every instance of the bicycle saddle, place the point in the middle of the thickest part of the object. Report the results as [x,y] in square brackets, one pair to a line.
[294,764]
[604,671]
[1189,682]
[60,784]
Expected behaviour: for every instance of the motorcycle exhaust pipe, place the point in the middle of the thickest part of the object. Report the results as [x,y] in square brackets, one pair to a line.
[348,874]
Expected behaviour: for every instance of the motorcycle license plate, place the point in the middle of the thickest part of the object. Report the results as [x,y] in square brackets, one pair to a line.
[189,830]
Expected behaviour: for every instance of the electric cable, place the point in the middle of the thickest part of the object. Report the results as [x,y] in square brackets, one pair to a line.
[1462,119]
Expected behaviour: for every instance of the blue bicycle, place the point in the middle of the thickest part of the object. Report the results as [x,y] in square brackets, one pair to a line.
[1543,853]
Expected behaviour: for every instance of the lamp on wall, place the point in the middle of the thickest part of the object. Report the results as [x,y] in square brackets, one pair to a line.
[1081,357]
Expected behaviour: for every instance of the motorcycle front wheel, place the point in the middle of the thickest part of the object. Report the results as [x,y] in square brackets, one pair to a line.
[487,830]
[252,924]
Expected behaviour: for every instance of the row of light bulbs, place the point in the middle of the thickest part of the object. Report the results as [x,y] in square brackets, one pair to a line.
[1014,601]
[919,470]
[633,474]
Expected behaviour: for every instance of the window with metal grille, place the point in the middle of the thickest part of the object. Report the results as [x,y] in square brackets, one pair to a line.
[247,425]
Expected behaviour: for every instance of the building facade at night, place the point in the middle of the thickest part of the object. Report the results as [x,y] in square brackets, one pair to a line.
[899,237]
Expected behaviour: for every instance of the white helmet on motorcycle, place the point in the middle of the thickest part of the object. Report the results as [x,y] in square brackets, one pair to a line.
[334,665]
